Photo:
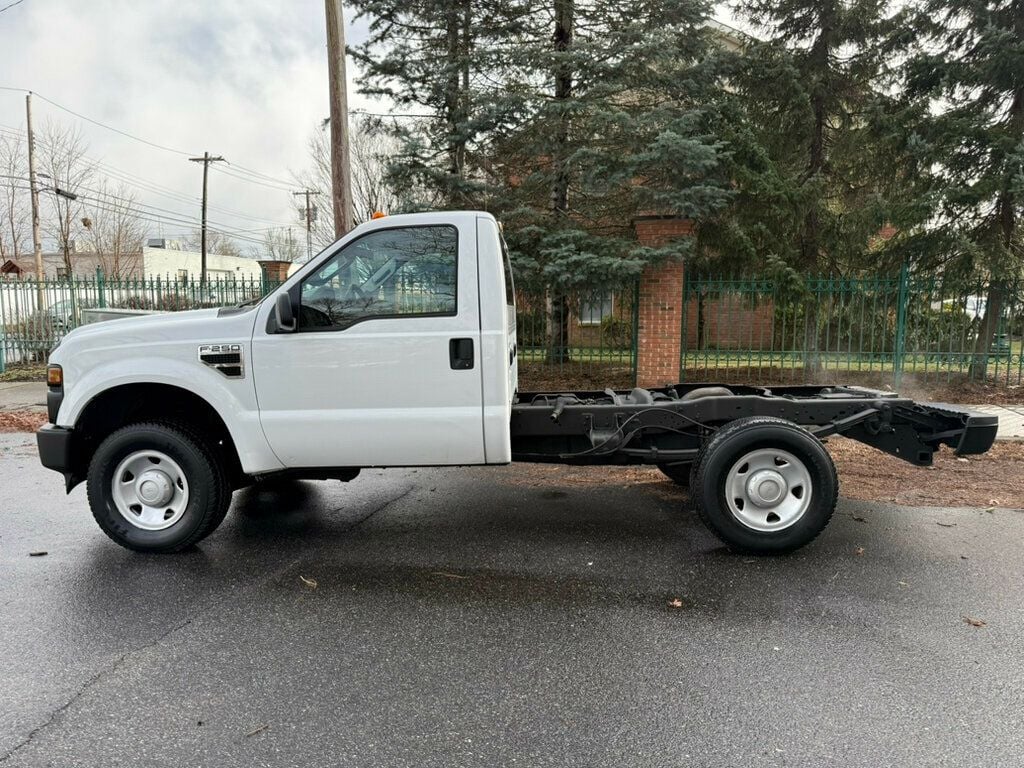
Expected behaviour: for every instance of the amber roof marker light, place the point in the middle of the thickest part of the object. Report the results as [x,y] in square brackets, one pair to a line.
[377,215]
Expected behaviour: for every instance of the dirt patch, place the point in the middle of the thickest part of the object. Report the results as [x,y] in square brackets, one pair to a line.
[994,479]
[21,421]
[574,376]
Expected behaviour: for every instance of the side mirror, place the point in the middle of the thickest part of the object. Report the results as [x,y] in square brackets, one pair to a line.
[283,313]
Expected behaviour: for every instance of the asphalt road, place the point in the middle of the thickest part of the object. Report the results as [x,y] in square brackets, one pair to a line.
[499,618]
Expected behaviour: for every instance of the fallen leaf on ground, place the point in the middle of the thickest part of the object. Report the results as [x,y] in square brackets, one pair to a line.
[675,603]
[311,583]
[38,553]
[974,622]
[860,519]
[858,551]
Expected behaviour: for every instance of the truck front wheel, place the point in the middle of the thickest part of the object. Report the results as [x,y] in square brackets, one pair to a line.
[156,487]
[764,485]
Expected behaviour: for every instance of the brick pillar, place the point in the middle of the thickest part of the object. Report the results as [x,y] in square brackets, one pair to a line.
[661,306]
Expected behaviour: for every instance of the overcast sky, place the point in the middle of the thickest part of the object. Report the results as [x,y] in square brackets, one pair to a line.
[246,79]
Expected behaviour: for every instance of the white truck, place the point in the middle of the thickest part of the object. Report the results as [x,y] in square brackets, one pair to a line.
[396,347]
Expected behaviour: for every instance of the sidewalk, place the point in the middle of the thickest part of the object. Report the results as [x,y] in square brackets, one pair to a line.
[30,396]
[22,396]
[1011,420]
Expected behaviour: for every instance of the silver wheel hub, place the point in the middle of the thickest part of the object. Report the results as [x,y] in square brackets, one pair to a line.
[150,490]
[154,488]
[768,489]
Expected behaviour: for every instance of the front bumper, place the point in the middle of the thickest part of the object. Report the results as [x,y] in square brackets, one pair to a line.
[55,444]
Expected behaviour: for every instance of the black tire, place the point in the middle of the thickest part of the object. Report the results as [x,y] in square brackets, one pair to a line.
[677,473]
[209,493]
[723,452]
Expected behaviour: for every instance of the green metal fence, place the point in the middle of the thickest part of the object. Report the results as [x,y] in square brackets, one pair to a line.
[581,339]
[882,330]
[34,315]
[878,330]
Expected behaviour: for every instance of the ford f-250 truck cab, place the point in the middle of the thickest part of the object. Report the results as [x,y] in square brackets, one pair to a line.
[396,347]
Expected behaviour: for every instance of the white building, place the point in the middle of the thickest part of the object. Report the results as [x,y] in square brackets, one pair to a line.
[172,264]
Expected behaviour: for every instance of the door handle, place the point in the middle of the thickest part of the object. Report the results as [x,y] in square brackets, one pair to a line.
[460,353]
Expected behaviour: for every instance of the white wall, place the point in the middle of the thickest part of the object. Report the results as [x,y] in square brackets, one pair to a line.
[164,263]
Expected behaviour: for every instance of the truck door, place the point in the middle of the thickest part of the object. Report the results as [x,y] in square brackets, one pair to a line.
[384,366]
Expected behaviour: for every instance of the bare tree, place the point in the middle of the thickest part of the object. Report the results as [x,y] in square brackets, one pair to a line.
[216,242]
[63,171]
[371,149]
[280,245]
[114,229]
[15,205]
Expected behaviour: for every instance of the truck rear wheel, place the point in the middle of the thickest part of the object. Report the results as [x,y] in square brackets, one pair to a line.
[157,487]
[677,473]
[764,485]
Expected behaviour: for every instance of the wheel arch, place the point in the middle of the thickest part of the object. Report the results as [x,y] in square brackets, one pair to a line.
[122,404]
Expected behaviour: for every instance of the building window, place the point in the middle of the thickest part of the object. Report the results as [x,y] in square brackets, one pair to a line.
[62,273]
[182,275]
[595,309]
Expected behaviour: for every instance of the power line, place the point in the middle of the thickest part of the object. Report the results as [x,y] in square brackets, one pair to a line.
[8,7]
[111,128]
[258,175]
[146,186]
[280,188]
[153,144]
[130,205]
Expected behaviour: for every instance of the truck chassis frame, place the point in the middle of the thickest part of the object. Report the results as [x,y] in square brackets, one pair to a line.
[670,424]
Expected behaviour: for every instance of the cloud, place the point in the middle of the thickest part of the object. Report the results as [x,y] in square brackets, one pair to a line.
[243,79]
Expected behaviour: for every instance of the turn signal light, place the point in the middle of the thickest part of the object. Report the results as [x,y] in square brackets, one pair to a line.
[54,376]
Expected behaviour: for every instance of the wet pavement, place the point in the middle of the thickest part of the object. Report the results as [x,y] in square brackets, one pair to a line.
[500,617]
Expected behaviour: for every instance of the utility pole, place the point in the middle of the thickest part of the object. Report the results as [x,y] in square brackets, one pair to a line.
[37,243]
[341,171]
[205,160]
[310,218]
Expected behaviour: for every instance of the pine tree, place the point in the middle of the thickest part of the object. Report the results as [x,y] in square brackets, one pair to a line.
[436,61]
[804,149]
[619,99]
[965,76]
[808,195]
[567,118]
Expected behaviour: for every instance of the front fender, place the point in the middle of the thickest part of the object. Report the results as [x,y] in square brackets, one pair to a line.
[234,400]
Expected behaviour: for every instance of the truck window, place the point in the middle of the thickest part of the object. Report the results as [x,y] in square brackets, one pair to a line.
[410,271]
[510,286]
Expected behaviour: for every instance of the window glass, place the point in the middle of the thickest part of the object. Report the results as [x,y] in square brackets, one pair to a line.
[596,309]
[389,273]
[510,288]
